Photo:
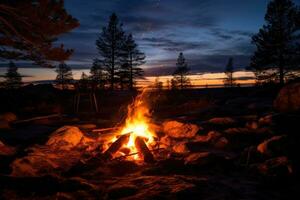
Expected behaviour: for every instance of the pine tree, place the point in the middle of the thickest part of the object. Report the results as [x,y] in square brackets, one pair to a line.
[124,76]
[158,85]
[229,80]
[13,80]
[181,72]
[133,58]
[29,28]
[64,75]
[110,45]
[98,77]
[277,43]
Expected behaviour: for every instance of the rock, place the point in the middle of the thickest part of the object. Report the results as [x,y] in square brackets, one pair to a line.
[66,138]
[221,143]
[210,137]
[177,129]
[279,167]
[165,142]
[44,161]
[288,99]
[276,145]
[266,120]
[222,121]
[180,148]
[6,150]
[239,131]
[4,124]
[8,117]
[121,191]
[203,159]
[252,125]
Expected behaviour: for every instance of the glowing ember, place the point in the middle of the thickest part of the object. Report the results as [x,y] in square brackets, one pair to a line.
[138,124]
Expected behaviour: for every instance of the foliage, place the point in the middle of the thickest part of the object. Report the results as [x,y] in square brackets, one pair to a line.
[64,75]
[13,80]
[277,43]
[98,75]
[110,45]
[229,80]
[158,84]
[28,29]
[180,78]
[132,58]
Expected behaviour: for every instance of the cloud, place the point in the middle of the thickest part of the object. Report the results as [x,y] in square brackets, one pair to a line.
[172,45]
[224,34]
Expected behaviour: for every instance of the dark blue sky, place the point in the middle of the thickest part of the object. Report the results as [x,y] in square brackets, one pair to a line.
[207,31]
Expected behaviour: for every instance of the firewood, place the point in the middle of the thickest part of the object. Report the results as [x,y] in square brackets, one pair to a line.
[132,154]
[105,129]
[143,149]
[114,147]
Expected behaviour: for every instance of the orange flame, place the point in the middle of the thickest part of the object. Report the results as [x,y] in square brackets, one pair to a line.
[138,124]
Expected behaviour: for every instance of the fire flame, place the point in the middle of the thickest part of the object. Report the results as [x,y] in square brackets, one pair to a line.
[138,124]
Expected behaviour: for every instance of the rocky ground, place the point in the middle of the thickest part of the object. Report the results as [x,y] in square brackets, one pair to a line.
[240,145]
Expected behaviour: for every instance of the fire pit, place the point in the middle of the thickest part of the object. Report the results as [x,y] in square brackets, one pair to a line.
[135,140]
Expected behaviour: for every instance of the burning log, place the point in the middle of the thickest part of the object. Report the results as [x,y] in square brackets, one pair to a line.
[143,149]
[114,147]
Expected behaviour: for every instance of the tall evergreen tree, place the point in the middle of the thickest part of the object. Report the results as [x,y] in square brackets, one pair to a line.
[13,79]
[98,76]
[132,58]
[181,72]
[110,45]
[64,75]
[277,43]
[229,80]
[29,28]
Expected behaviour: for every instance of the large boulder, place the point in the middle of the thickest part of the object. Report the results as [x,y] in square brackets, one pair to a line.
[45,161]
[67,137]
[288,99]
[179,130]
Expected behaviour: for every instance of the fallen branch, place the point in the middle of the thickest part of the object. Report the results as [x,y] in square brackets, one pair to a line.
[38,118]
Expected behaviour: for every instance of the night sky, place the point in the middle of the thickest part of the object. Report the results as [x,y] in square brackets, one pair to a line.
[207,31]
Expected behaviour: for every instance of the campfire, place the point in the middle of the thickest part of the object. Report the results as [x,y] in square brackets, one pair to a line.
[136,139]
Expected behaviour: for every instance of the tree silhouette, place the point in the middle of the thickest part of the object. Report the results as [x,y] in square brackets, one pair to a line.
[181,72]
[64,75]
[110,45]
[13,80]
[158,85]
[28,29]
[229,80]
[98,76]
[132,58]
[277,43]
[124,75]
